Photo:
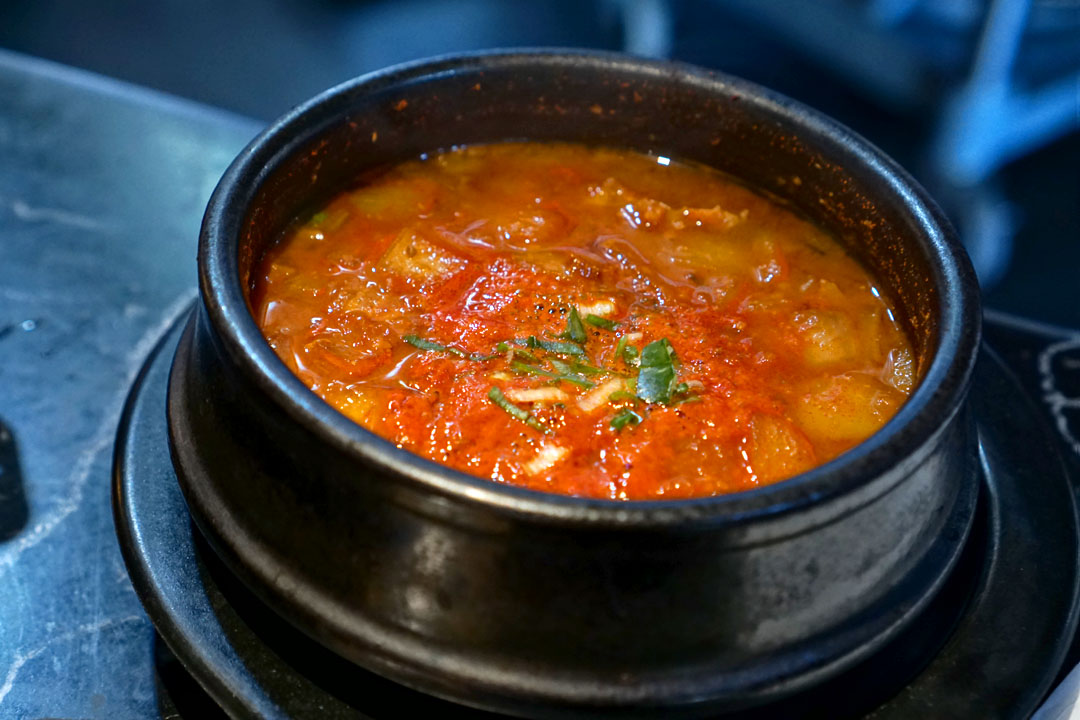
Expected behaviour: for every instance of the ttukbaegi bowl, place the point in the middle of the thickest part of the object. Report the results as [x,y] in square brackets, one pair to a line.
[539,604]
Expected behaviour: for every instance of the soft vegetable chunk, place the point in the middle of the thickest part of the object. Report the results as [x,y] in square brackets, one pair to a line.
[417,259]
[585,321]
[777,449]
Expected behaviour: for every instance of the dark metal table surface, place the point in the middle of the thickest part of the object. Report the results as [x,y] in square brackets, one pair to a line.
[102,187]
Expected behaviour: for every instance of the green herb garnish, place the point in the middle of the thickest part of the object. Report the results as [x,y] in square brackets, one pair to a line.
[625,351]
[575,331]
[562,348]
[656,376]
[431,346]
[625,417]
[496,396]
[526,356]
[417,341]
[682,394]
[504,347]
[576,368]
[601,322]
[531,370]
[570,378]
[588,369]
[568,373]
[517,353]
[553,346]
[560,366]
[620,395]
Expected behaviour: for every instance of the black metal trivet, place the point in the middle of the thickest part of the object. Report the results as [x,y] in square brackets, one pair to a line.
[988,645]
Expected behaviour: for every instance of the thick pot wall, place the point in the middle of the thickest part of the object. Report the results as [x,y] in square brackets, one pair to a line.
[513,600]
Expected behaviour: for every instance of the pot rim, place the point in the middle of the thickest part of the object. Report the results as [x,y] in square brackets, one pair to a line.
[935,400]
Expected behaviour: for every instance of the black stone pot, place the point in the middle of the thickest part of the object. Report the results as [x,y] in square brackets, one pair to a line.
[539,604]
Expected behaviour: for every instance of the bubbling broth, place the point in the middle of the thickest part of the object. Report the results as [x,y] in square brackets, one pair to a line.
[585,321]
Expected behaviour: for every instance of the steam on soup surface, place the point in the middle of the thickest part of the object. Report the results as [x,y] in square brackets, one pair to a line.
[584,321]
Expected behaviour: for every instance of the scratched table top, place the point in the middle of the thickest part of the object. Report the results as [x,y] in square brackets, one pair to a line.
[102,187]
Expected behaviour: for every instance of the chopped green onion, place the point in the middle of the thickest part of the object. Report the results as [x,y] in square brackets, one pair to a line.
[430,346]
[625,352]
[560,366]
[620,347]
[575,331]
[576,368]
[625,417]
[530,370]
[496,396]
[683,391]
[601,322]
[656,378]
[561,348]
[318,218]
[567,373]
[620,395]
[504,347]
[423,344]
[588,369]
[526,356]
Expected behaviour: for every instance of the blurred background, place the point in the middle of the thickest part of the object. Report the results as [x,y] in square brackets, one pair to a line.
[979,99]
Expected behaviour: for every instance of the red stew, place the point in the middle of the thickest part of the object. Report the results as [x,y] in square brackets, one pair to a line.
[585,321]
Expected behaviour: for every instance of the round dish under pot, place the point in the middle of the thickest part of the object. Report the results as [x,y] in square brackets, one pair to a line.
[537,604]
